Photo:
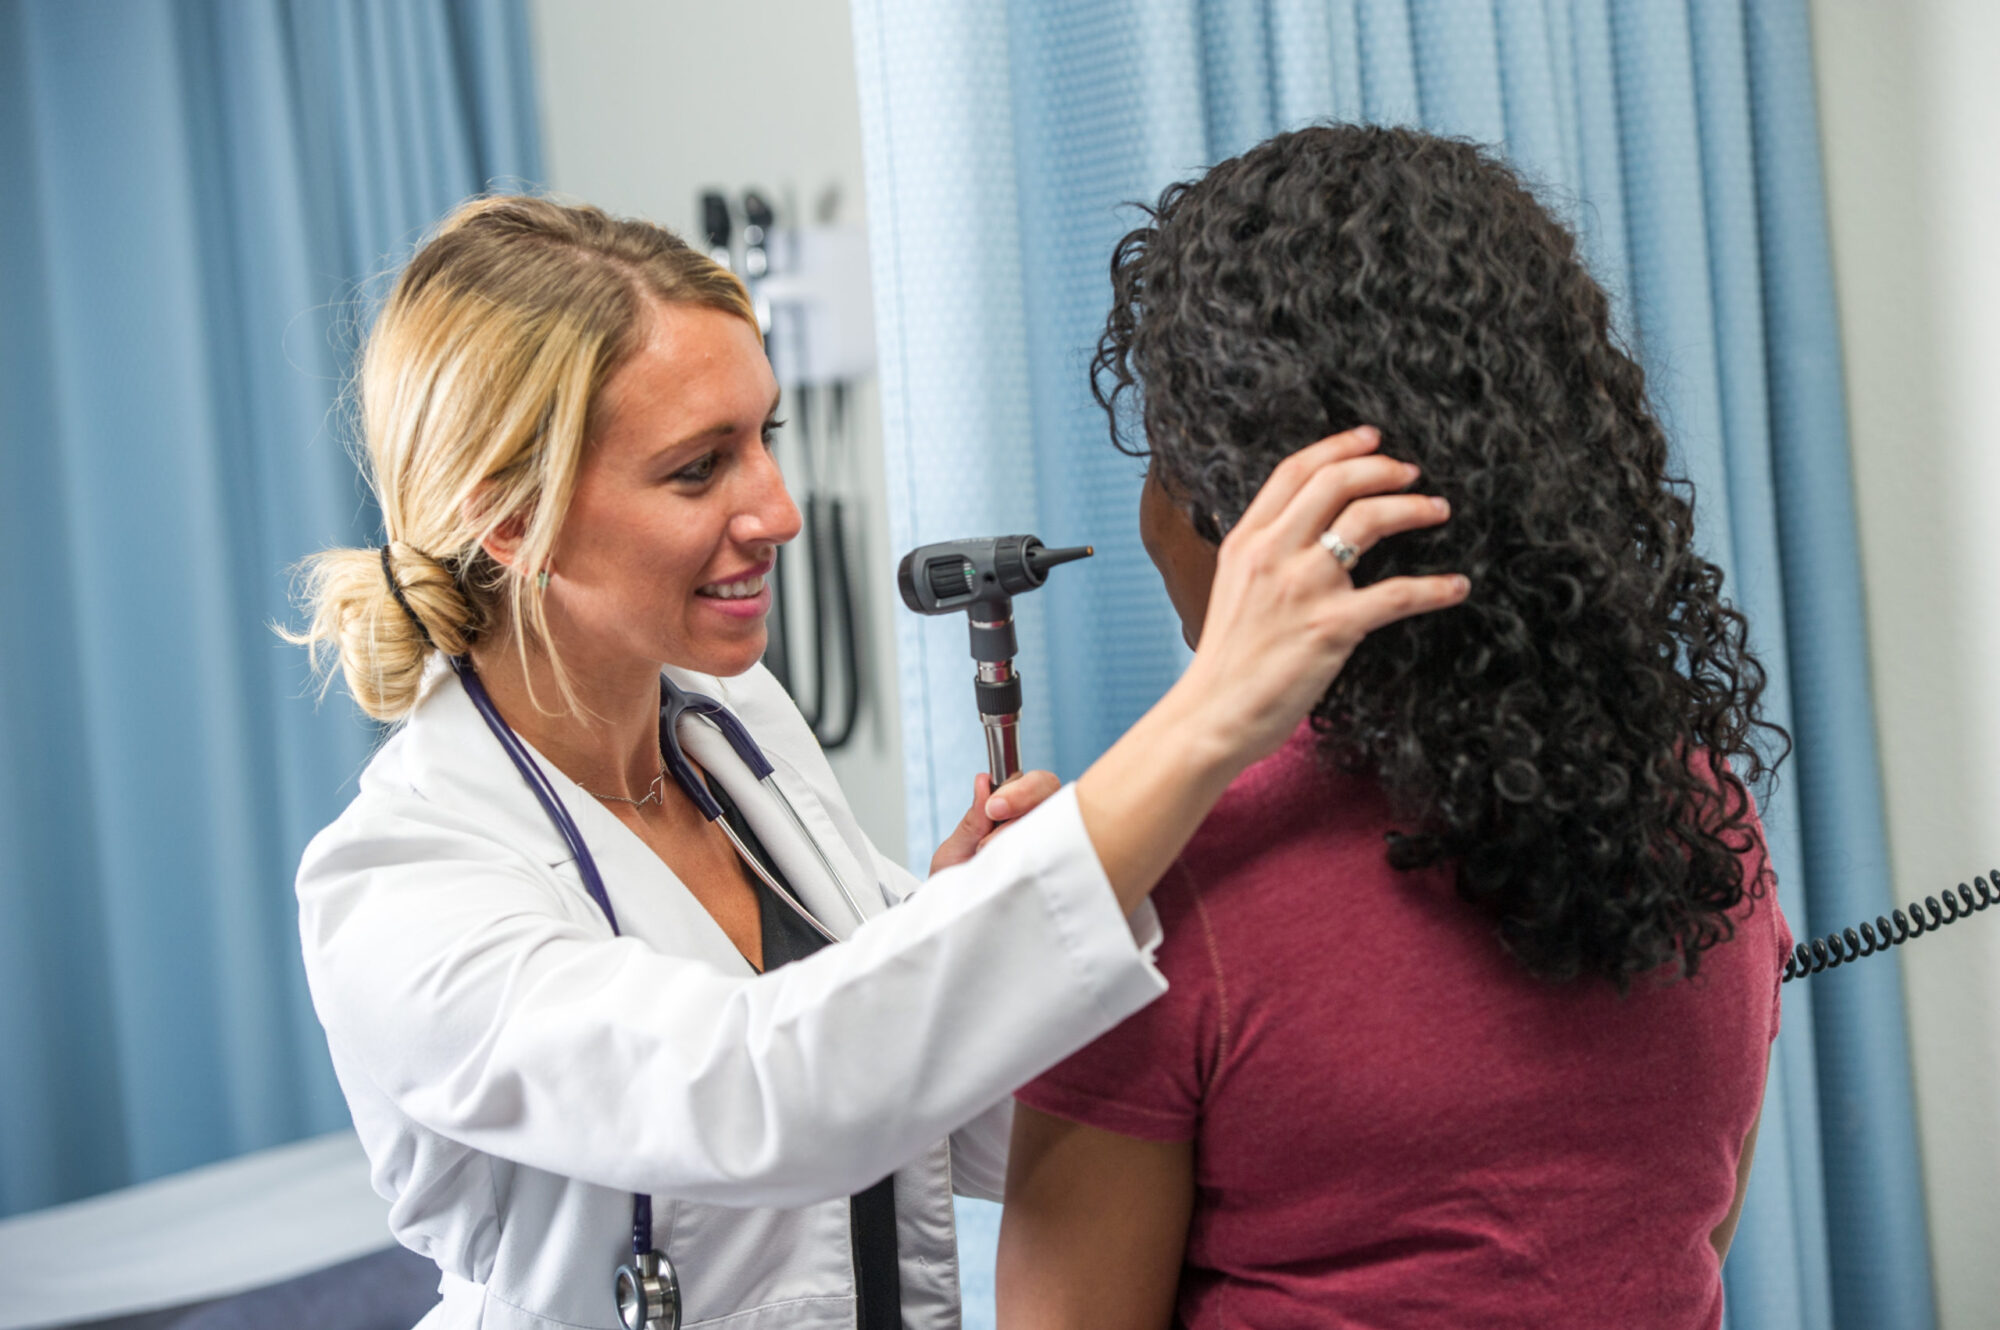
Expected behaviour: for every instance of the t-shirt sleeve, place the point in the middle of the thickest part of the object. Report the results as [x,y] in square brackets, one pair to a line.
[1760,883]
[1783,933]
[1146,1078]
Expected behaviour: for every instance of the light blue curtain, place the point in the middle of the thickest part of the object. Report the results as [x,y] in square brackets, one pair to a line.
[196,191]
[1679,138]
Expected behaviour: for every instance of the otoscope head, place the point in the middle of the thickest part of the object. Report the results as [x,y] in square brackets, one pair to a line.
[982,577]
[979,574]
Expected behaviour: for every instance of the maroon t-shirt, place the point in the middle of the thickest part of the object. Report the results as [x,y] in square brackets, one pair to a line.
[1394,1123]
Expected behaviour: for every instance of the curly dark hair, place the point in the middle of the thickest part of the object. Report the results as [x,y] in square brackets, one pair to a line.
[1576,738]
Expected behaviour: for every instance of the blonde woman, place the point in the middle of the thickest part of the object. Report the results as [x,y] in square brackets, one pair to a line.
[601,999]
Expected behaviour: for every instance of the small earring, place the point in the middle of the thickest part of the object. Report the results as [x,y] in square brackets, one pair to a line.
[542,580]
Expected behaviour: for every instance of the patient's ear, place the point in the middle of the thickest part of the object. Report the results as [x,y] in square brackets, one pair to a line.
[1184,557]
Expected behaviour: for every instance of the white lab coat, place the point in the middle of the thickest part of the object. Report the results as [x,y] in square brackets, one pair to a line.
[516,1072]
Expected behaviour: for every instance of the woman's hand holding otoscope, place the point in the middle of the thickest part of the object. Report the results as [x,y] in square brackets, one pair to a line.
[990,812]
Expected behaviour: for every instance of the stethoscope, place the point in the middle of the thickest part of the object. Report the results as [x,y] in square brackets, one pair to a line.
[648,1289]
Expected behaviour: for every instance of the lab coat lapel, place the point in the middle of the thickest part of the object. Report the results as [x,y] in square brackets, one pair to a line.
[455,760]
[795,859]
[651,900]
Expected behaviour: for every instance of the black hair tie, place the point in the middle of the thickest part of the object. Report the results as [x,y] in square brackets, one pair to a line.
[389,576]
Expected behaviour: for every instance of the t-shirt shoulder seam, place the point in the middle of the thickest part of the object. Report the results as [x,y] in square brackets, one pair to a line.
[1779,933]
[1214,952]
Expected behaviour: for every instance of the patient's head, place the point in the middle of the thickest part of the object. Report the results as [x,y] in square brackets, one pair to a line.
[1539,737]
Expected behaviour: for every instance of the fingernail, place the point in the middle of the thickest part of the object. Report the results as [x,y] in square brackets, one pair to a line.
[1369,433]
[1443,506]
[1463,584]
[998,809]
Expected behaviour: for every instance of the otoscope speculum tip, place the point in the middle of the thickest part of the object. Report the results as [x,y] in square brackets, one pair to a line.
[1040,558]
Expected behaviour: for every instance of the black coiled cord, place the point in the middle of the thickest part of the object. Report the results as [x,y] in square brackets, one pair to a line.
[1851,944]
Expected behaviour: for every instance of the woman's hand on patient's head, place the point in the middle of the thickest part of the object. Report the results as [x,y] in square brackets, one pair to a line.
[990,812]
[1283,616]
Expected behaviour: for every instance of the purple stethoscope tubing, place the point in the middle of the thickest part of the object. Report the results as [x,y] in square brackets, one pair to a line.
[593,882]
[647,1262]
[538,781]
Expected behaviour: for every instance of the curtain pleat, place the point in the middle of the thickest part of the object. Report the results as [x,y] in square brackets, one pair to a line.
[198,190]
[1879,1257]
[1679,138]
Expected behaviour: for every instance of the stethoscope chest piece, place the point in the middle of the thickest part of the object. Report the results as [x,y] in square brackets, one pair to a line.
[649,1294]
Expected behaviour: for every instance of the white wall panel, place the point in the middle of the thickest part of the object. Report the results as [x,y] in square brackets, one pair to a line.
[1910,116]
[645,103]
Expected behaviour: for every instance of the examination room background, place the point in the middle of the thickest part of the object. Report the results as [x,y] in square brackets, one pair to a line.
[1785,197]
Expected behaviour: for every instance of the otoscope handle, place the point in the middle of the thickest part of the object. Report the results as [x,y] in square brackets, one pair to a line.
[1003,750]
[999,691]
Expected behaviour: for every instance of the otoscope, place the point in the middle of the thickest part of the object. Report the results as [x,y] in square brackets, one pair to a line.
[982,577]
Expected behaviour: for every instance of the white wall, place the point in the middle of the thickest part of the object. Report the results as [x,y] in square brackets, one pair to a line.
[645,103]
[1910,121]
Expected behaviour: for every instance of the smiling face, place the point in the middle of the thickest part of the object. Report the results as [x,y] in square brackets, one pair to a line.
[679,507]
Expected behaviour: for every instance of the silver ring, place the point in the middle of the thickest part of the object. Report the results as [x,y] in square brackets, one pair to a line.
[1343,553]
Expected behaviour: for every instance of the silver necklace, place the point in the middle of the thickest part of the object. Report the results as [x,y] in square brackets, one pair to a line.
[656,793]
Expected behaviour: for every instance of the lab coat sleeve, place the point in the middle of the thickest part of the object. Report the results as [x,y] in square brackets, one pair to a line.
[452,974]
[979,1148]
